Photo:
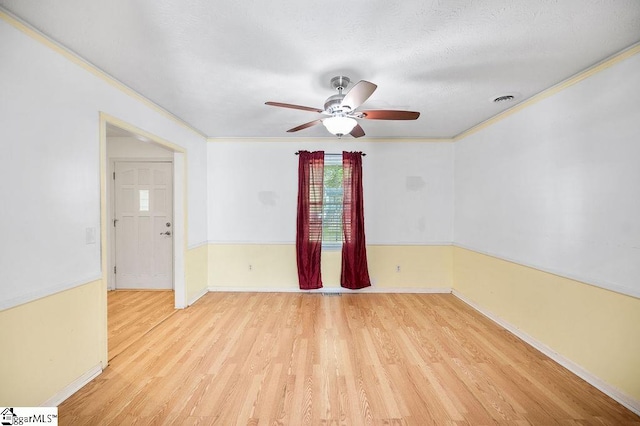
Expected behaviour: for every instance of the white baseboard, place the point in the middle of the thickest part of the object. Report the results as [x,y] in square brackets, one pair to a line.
[615,393]
[409,290]
[73,387]
[231,289]
[371,289]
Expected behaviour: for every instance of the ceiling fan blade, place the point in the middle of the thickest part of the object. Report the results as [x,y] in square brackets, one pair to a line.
[305,125]
[389,114]
[358,94]
[304,108]
[357,131]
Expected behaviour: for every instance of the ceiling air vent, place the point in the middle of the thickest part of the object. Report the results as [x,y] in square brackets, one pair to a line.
[504,98]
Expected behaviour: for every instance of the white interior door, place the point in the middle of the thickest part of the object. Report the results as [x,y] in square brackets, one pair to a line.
[143,212]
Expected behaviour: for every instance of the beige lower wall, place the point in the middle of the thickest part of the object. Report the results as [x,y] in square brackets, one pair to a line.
[252,266]
[273,266]
[597,329]
[196,276]
[421,267]
[50,343]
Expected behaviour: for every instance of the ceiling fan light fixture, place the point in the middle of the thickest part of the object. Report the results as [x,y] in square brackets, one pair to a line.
[339,126]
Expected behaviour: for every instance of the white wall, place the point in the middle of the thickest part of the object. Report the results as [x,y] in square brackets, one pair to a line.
[556,186]
[408,190]
[50,178]
[409,193]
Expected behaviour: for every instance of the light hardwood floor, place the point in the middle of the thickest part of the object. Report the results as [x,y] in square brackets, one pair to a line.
[295,359]
[132,314]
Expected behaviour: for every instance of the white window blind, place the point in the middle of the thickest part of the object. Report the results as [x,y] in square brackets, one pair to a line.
[332,236]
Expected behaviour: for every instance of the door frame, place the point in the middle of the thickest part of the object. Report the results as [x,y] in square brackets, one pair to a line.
[111,237]
[179,220]
[179,208]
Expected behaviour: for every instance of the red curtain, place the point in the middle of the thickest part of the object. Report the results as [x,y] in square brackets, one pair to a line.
[354,274]
[309,222]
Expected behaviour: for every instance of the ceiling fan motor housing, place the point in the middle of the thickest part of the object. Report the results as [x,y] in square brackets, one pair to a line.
[333,105]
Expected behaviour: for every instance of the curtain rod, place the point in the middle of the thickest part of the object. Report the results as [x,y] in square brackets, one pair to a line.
[329,153]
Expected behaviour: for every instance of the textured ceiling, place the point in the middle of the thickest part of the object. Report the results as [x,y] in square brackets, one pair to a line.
[214,64]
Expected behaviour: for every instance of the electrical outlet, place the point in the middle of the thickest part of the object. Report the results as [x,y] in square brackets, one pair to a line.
[250,267]
[397,268]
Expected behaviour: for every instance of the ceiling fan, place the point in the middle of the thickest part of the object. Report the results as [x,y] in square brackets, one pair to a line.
[342,112]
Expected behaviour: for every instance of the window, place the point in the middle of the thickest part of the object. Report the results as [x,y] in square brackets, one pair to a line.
[332,203]
[144,200]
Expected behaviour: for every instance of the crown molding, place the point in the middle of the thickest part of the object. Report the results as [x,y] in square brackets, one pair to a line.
[327,140]
[576,78]
[88,66]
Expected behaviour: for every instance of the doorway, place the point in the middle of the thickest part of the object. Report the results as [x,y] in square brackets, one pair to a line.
[123,143]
